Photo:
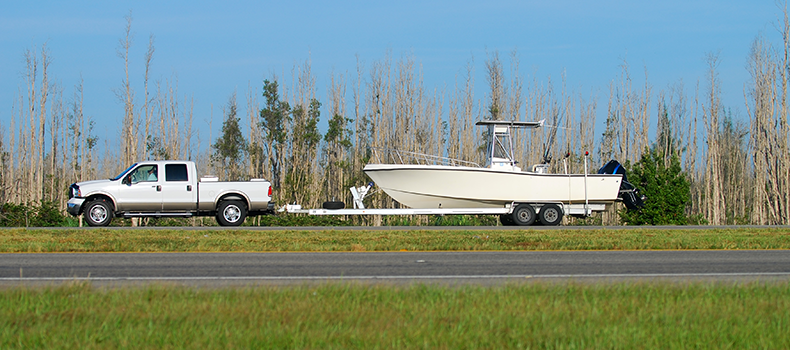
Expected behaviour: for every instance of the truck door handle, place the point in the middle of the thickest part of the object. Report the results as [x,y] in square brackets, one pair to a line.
[189,188]
[158,188]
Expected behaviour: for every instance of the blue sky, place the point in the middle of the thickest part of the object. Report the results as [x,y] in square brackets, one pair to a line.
[216,48]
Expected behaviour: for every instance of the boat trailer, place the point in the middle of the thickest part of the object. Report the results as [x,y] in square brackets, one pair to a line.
[359,193]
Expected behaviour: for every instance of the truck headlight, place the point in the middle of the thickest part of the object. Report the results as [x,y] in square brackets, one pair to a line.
[74,191]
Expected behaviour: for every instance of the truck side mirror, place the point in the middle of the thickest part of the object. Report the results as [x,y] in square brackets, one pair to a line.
[127,180]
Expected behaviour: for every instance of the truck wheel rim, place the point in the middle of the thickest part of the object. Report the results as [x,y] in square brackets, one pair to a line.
[231,213]
[98,213]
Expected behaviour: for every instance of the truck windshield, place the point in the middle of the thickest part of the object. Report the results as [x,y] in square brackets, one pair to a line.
[123,172]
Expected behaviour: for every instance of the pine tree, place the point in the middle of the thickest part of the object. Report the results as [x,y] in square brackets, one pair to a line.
[305,140]
[665,186]
[230,149]
[336,147]
[274,118]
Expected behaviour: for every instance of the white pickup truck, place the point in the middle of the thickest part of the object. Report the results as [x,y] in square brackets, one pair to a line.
[168,188]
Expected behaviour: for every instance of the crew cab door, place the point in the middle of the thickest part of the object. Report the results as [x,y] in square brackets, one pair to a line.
[141,190]
[178,189]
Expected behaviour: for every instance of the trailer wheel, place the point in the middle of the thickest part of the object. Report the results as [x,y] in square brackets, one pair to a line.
[98,213]
[231,213]
[524,215]
[550,215]
[334,205]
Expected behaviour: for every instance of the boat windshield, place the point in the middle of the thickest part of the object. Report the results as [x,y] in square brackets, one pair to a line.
[123,172]
[501,150]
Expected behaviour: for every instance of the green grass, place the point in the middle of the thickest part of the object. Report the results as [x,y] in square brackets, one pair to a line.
[343,316]
[166,240]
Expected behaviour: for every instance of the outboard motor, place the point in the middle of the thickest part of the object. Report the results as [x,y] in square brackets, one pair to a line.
[630,195]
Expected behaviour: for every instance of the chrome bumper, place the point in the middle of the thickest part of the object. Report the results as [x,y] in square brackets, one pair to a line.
[75,205]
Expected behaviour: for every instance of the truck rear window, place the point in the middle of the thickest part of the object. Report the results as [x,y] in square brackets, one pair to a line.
[176,172]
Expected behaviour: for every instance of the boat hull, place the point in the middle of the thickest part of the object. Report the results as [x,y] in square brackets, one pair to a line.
[439,186]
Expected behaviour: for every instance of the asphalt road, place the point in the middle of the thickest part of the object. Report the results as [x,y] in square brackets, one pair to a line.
[220,269]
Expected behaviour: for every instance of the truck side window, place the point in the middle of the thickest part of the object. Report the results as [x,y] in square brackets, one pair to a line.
[176,172]
[144,173]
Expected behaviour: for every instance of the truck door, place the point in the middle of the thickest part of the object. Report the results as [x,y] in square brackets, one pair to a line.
[141,190]
[178,190]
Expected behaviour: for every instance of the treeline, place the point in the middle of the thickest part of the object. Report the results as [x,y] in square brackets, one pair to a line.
[738,172]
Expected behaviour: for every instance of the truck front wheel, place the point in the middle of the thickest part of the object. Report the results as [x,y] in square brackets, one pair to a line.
[98,213]
[231,213]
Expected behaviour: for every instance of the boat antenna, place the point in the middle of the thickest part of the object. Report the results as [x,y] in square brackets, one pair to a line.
[552,136]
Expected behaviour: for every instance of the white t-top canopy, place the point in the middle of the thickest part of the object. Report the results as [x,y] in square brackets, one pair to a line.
[512,123]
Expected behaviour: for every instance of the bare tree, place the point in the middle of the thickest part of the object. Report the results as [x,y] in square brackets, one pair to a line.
[496,83]
[301,183]
[470,137]
[28,135]
[336,153]
[715,209]
[768,140]
[256,154]
[129,124]
[147,109]
[40,131]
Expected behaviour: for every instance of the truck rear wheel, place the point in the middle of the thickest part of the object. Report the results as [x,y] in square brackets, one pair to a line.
[231,213]
[98,213]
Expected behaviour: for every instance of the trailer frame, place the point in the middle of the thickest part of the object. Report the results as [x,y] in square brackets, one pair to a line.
[359,193]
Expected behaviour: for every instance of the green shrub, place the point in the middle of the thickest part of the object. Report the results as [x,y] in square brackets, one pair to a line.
[46,214]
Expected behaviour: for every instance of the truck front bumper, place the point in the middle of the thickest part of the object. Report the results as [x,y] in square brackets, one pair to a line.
[75,205]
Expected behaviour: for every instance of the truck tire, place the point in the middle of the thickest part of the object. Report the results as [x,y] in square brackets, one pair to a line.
[524,215]
[550,215]
[231,213]
[98,213]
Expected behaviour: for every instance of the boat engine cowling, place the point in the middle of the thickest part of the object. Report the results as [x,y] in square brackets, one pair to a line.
[630,195]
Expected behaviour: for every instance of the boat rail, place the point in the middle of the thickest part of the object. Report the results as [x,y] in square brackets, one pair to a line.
[394,156]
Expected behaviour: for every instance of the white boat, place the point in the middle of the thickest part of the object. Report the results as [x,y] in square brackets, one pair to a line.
[437,186]
[430,182]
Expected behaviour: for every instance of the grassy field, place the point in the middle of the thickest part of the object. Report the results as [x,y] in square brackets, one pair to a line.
[619,316]
[166,240]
